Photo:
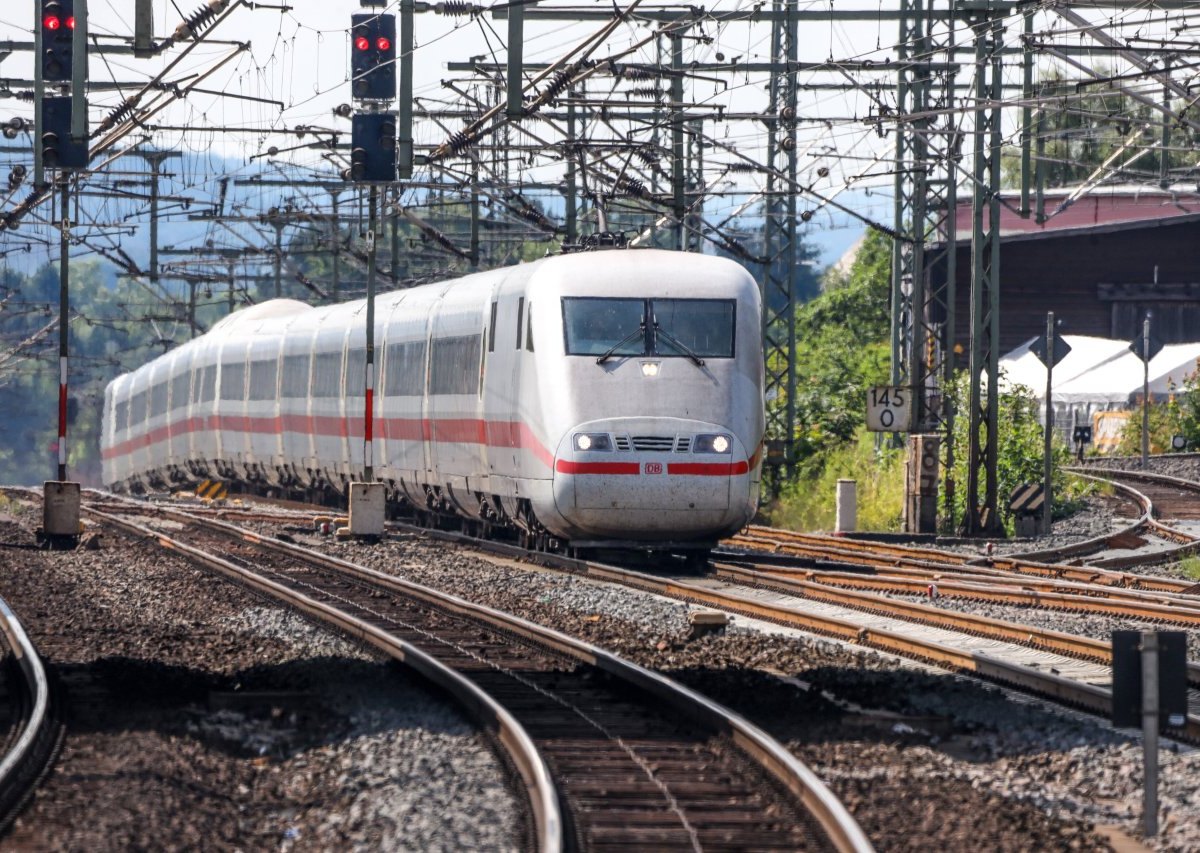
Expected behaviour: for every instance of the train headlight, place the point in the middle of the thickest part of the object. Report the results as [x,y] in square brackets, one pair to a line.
[593,441]
[650,369]
[711,444]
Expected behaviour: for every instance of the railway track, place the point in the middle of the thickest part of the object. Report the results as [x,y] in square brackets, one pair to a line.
[34,733]
[1070,669]
[1156,497]
[639,760]
[832,586]
[766,540]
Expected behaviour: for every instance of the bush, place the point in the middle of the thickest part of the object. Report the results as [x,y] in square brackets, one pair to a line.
[808,502]
[1020,447]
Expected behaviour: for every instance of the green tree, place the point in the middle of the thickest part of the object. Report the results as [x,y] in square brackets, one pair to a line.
[842,349]
[1020,442]
[1083,124]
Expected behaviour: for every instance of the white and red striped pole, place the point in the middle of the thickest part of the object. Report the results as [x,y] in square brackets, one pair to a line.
[63,305]
[369,423]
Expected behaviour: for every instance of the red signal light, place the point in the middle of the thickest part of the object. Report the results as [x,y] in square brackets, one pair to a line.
[384,43]
[71,23]
[52,22]
[362,43]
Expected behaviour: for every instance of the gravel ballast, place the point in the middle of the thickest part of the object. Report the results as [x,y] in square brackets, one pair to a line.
[929,760]
[201,717]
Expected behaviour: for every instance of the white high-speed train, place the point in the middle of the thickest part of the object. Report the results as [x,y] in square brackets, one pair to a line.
[600,399]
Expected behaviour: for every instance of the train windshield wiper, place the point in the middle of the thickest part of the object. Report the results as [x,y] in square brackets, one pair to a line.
[640,330]
[679,345]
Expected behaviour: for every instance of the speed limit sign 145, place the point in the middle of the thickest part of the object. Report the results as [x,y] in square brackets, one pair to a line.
[889,409]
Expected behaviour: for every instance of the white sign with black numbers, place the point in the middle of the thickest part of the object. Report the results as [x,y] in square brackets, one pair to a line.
[889,409]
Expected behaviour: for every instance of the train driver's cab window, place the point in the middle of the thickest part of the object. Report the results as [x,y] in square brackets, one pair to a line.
[666,328]
[598,326]
[701,327]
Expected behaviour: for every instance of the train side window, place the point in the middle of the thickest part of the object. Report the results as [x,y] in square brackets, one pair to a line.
[295,376]
[208,384]
[137,409]
[181,390]
[520,317]
[233,381]
[356,372]
[158,399]
[122,415]
[262,379]
[529,330]
[327,372]
[454,364]
[405,369]
[492,328]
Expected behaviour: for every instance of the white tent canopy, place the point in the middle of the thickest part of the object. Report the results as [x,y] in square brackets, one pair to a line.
[1022,367]
[1120,380]
[1100,373]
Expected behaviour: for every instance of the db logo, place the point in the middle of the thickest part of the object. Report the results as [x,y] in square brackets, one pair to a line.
[654,468]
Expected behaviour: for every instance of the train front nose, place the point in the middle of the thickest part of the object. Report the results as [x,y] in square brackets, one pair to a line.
[653,478]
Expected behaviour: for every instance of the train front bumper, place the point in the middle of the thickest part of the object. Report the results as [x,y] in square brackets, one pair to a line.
[652,483]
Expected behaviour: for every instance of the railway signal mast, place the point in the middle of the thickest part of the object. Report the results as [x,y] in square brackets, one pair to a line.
[372,161]
[60,121]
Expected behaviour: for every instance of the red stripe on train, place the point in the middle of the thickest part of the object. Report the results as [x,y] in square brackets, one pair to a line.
[564,466]
[707,469]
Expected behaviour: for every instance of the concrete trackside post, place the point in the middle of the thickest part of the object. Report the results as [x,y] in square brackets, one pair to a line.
[847,506]
[367,505]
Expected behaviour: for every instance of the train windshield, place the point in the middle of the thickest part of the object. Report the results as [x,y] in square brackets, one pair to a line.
[596,326]
[678,328]
[693,327]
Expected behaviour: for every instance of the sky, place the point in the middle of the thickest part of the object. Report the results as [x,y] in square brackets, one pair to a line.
[293,73]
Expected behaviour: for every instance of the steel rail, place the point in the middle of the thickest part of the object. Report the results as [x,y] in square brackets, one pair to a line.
[1068,645]
[1074,693]
[531,767]
[24,762]
[829,813]
[876,554]
[1040,594]
[1146,522]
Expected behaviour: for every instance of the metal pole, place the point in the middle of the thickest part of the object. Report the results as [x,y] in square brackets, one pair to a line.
[1146,391]
[1164,157]
[395,235]
[404,124]
[516,59]
[1047,509]
[369,408]
[335,239]
[64,235]
[1027,117]
[572,190]
[39,94]
[155,163]
[1150,731]
[231,286]
[278,223]
[79,72]
[474,215]
[192,309]
[678,162]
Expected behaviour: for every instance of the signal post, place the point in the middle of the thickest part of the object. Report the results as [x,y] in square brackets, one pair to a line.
[372,161]
[61,147]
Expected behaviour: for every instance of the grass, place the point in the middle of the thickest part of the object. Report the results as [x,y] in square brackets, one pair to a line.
[1191,566]
[810,502]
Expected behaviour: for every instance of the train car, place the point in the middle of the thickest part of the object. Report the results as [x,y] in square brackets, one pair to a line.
[603,399]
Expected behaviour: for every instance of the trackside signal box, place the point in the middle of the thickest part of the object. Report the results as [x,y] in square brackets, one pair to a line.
[1127,679]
